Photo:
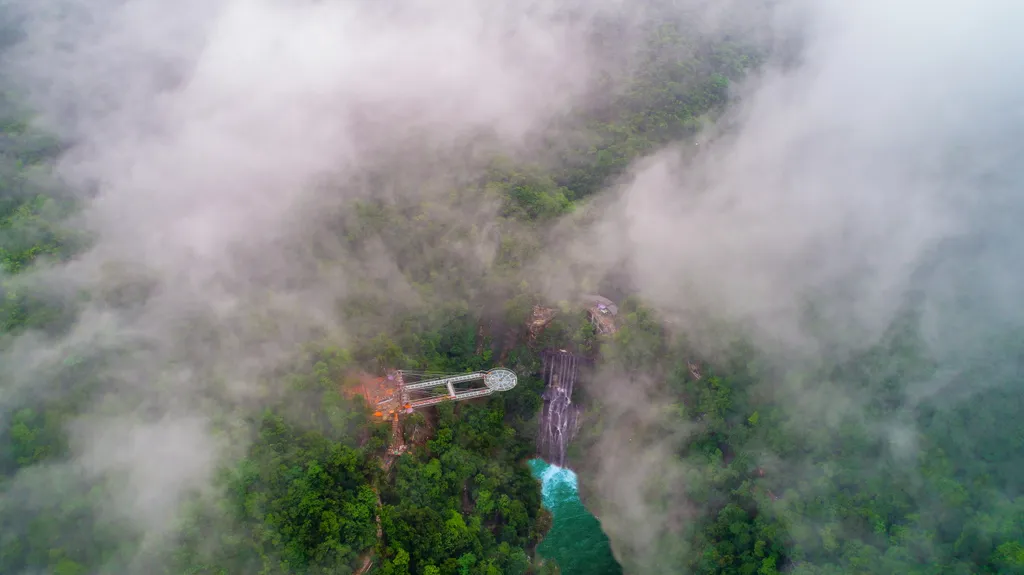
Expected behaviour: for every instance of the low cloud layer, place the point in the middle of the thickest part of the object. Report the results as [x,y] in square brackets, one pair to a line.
[845,177]
[212,141]
[872,170]
[871,164]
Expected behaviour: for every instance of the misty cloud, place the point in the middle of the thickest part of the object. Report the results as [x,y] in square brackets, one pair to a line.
[221,138]
[840,178]
[218,140]
[873,173]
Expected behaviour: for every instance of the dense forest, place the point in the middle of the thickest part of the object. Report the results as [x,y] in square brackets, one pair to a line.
[759,469]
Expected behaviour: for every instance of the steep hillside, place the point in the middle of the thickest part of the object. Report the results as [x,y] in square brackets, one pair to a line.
[807,228]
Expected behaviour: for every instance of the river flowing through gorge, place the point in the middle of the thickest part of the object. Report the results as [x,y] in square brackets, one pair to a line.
[575,541]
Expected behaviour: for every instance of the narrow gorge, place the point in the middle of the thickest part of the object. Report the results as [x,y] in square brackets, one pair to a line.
[576,540]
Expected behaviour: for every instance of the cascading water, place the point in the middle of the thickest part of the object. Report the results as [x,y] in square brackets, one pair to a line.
[576,541]
[559,419]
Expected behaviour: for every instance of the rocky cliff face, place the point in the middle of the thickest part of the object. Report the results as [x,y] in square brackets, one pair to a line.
[567,434]
[559,420]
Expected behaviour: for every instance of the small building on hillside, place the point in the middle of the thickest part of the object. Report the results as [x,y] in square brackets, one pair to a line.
[540,319]
[602,312]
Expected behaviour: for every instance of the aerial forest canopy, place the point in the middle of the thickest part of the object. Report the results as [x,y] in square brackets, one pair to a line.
[219,219]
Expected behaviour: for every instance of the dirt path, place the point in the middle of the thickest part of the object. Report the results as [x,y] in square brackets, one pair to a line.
[368,560]
[380,530]
[480,338]
[367,563]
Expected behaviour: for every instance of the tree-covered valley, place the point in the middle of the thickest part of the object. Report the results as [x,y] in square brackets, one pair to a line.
[216,221]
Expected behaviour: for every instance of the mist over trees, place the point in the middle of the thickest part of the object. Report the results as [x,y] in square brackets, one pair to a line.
[215,217]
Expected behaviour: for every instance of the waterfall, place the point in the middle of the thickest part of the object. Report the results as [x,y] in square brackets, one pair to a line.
[559,418]
[576,541]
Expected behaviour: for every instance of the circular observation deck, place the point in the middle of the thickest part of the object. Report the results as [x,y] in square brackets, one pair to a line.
[500,379]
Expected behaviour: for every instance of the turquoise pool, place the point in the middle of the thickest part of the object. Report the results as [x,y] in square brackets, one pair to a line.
[575,541]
